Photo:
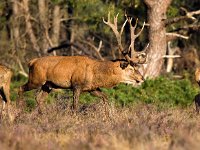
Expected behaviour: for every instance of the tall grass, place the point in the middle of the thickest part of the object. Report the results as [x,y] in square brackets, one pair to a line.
[140,127]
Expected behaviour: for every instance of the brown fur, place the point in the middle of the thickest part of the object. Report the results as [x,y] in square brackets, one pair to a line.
[79,73]
[197,102]
[197,75]
[5,79]
[197,97]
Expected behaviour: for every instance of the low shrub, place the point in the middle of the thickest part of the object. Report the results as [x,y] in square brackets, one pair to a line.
[162,91]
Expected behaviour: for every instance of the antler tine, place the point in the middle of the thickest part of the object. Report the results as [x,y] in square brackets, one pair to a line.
[133,37]
[113,26]
[136,22]
[115,20]
[140,30]
[122,28]
[108,20]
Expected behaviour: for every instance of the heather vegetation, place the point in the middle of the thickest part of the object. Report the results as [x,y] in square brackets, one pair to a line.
[143,126]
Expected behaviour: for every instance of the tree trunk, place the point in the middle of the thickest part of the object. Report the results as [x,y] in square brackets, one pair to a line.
[157,36]
[15,25]
[29,28]
[42,6]
[56,26]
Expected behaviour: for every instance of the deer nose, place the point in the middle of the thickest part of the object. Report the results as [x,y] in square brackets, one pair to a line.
[137,81]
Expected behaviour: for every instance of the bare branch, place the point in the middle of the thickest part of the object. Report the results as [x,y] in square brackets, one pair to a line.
[68,44]
[97,50]
[194,27]
[21,71]
[100,45]
[191,14]
[172,36]
[188,15]
[171,56]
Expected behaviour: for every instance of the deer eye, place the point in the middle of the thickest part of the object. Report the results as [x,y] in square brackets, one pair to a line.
[123,65]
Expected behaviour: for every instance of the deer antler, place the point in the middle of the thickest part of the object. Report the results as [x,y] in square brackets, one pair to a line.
[136,57]
[118,34]
[133,35]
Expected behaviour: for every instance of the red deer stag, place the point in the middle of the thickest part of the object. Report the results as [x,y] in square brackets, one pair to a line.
[5,79]
[81,73]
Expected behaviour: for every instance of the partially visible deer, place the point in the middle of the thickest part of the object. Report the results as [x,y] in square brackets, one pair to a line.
[5,79]
[197,75]
[81,73]
[197,97]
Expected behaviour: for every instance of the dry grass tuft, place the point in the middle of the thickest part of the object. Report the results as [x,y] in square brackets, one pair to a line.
[138,127]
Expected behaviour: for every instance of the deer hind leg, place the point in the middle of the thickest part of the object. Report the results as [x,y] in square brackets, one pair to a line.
[2,108]
[197,107]
[101,95]
[76,95]
[5,93]
[197,102]
[104,97]
[41,95]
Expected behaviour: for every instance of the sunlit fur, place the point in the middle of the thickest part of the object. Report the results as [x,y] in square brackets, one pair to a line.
[5,79]
[197,75]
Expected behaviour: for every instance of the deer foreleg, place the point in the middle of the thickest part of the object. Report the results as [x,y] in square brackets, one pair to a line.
[76,94]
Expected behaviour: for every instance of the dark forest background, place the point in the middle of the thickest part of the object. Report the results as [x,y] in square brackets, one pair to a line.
[29,28]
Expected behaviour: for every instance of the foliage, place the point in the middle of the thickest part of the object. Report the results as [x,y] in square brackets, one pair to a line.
[161,91]
[91,17]
[29,97]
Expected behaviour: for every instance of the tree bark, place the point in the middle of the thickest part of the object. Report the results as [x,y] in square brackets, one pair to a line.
[15,25]
[157,36]
[56,26]
[29,28]
[42,7]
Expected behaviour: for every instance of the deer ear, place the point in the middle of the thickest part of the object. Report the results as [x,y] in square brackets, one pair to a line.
[123,65]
